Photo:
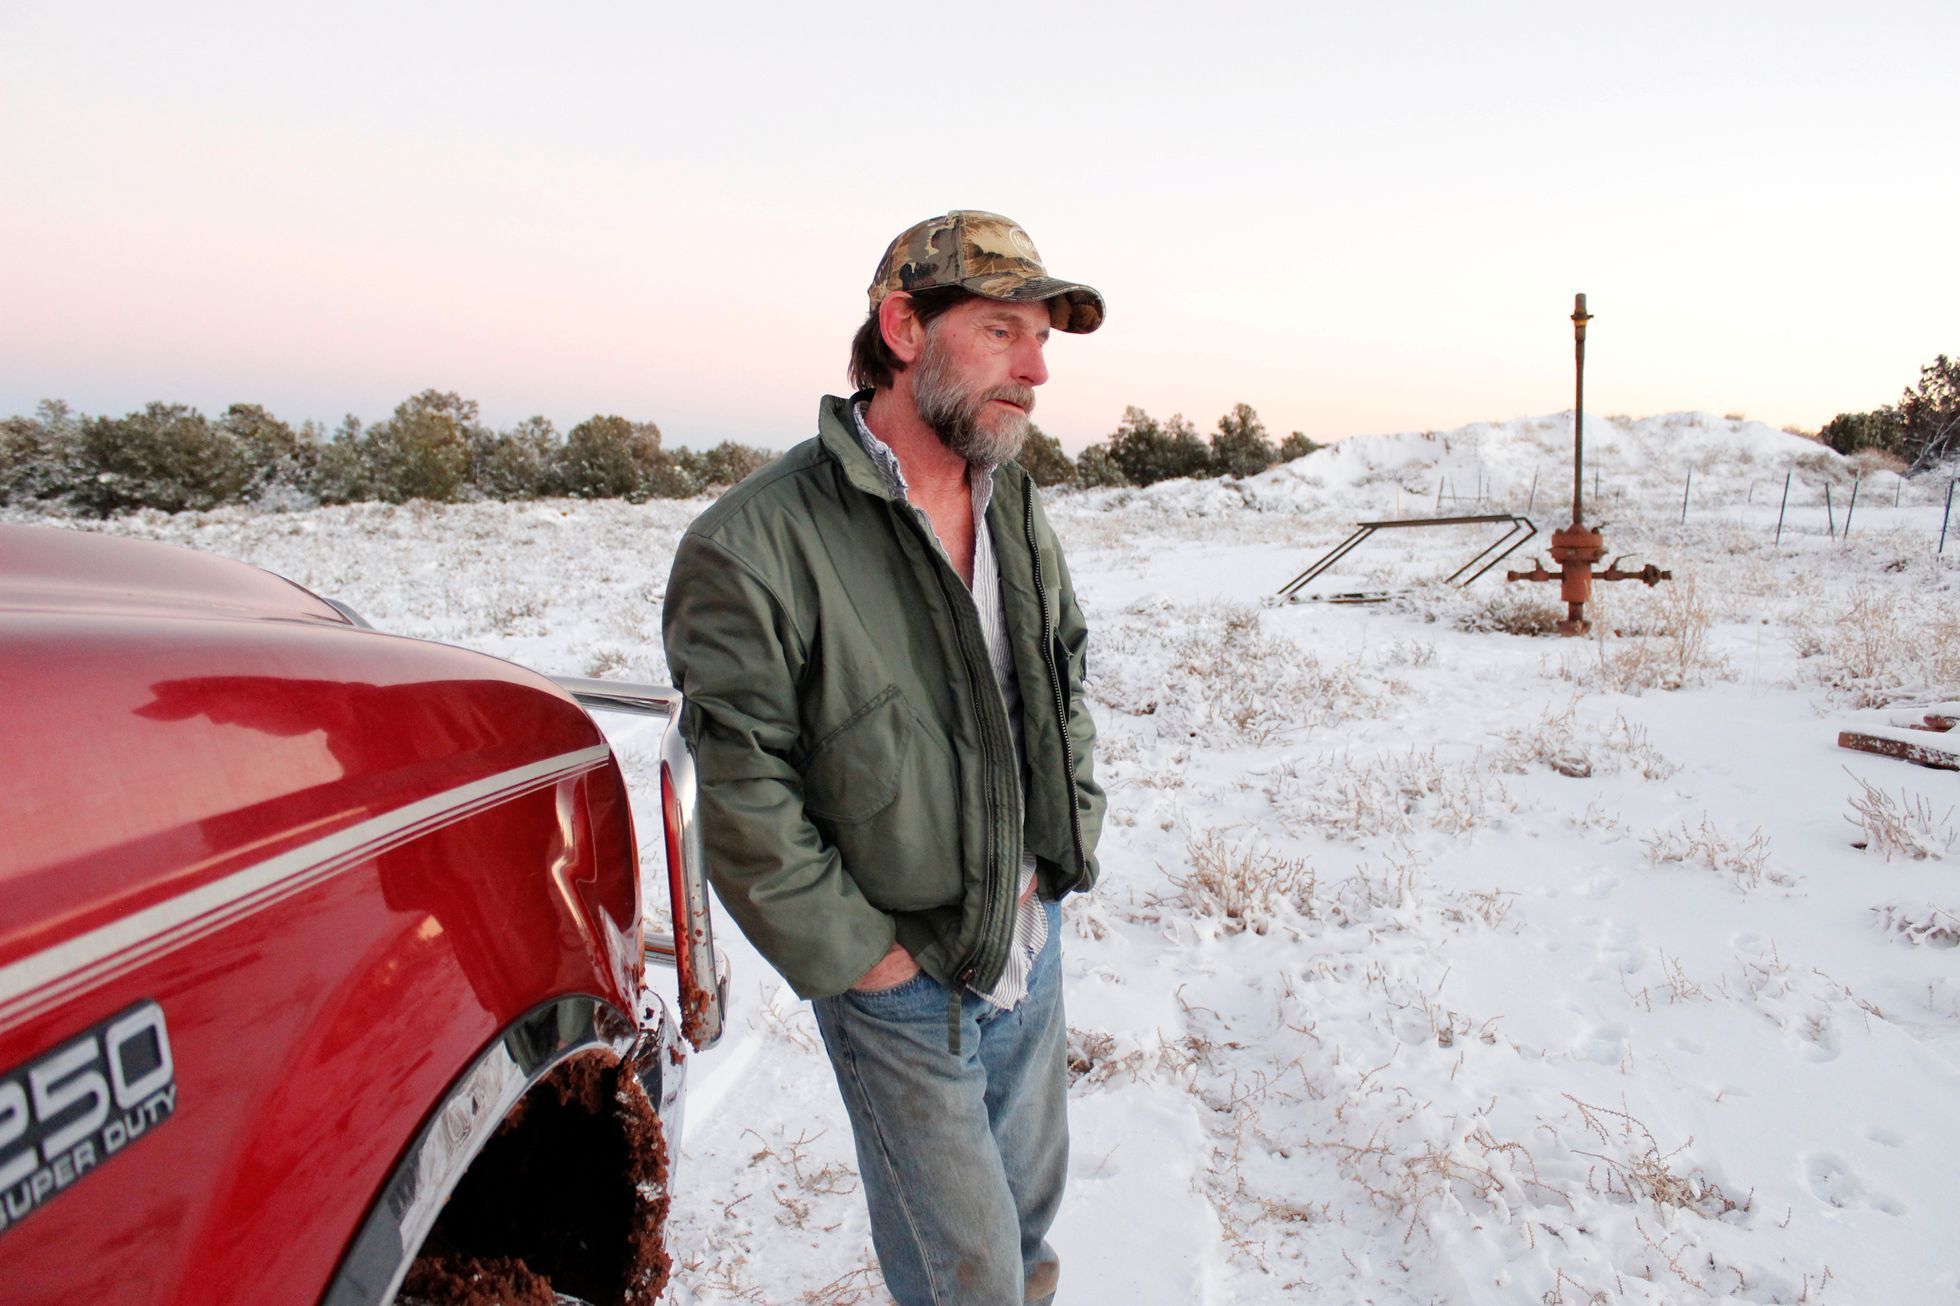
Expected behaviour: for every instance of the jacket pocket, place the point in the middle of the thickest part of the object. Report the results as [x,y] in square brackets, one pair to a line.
[854,771]
[883,792]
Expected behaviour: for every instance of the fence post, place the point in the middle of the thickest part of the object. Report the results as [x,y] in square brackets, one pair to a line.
[1856,481]
[1684,495]
[1948,513]
[1532,502]
[1439,493]
[1830,513]
[1785,507]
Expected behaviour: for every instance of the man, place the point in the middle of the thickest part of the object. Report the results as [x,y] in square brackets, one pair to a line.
[882,657]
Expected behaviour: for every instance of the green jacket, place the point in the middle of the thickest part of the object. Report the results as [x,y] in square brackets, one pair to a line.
[858,779]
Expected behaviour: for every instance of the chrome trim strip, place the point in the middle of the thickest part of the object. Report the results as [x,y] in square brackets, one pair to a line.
[354,618]
[39,980]
[623,696]
[379,1256]
[703,999]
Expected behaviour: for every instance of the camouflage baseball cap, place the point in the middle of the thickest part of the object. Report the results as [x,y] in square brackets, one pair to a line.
[988,255]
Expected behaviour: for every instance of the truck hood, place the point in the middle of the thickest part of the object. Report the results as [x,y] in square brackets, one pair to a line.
[49,569]
[170,717]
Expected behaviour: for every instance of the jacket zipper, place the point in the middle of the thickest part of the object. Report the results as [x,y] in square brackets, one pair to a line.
[1054,680]
[969,967]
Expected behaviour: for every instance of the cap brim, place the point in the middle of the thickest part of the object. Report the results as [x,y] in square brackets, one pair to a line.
[1072,306]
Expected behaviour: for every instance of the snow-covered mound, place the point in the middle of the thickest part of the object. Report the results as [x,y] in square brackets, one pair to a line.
[1519,465]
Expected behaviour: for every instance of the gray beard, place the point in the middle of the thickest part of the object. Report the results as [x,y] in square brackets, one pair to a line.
[955,414]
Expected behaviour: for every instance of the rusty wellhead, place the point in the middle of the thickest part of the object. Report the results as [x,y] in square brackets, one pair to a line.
[1576,547]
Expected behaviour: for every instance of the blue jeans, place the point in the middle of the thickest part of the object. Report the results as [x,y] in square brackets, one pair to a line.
[963,1157]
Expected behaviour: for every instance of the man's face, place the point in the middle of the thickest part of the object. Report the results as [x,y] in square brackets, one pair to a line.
[976,377]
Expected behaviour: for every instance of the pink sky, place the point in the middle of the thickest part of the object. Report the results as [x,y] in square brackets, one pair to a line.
[1355,220]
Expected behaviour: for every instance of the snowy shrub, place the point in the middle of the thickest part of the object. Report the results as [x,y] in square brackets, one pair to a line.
[1745,861]
[1909,828]
[1342,797]
[1561,742]
[1513,610]
[1634,1169]
[1241,886]
[1212,673]
[1919,922]
[1884,646]
[1665,644]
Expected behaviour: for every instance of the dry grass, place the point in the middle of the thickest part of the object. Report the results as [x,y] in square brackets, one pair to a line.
[1211,673]
[1240,886]
[1919,922]
[1389,794]
[1910,827]
[1513,610]
[1663,644]
[1744,861]
[1884,647]
[1561,742]
[1635,1168]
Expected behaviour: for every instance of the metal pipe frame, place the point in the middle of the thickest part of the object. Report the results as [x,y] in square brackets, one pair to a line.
[1365,529]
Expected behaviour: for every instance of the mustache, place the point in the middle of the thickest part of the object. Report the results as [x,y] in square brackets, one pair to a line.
[1019,395]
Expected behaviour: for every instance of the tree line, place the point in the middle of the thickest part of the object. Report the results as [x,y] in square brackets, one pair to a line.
[1922,430]
[172,458]
[434,446]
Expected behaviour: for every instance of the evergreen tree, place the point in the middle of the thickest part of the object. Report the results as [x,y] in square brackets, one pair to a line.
[1929,415]
[39,454]
[166,457]
[520,463]
[1095,468]
[279,462]
[1241,447]
[612,458]
[1297,445]
[1149,451]
[1044,460]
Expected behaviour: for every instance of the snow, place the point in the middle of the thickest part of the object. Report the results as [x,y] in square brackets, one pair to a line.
[1432,963]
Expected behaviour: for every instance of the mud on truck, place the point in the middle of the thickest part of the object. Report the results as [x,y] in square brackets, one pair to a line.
[323,971]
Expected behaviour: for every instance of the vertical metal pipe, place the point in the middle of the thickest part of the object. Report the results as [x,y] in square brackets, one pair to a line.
[1532,502]
[1786,505]
[1856,481]
[1898,490]
[1684,495]
[1579,319]
[1948,513]
[1830,513]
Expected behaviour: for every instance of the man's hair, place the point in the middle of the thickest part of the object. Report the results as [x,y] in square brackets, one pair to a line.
[873,364]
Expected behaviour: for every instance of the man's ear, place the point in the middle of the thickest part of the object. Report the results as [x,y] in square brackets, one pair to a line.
[899,323]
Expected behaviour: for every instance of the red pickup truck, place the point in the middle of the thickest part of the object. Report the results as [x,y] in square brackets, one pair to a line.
[322,966]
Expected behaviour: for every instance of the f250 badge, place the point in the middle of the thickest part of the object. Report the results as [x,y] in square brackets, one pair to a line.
[72,1108]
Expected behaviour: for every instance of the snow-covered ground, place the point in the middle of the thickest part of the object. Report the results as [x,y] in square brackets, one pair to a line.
[1436,959]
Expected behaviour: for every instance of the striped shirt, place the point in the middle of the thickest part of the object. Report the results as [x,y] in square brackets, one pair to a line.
[1030,920]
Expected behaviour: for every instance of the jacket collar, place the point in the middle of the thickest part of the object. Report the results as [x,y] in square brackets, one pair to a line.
[837,431]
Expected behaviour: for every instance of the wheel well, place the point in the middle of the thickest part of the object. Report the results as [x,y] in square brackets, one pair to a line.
[568,1196]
